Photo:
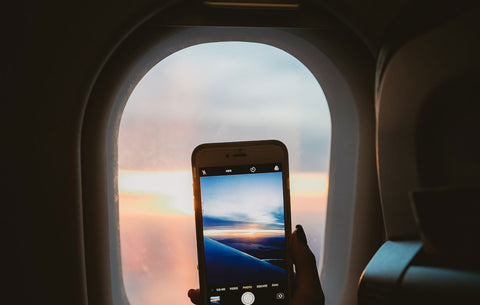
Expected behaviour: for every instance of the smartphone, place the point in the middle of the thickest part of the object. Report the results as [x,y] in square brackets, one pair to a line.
[243,222]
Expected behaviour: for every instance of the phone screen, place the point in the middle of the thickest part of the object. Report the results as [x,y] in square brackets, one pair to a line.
[244,234]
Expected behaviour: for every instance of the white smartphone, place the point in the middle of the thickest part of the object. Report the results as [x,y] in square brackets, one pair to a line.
[243,222]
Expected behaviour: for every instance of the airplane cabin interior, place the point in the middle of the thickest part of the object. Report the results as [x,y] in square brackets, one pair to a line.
[402,83]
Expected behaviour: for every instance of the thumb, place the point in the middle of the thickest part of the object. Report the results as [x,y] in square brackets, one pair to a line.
[195,296]
[307,283]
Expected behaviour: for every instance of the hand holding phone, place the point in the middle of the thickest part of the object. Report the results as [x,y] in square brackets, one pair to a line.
[242,215]
[307,287]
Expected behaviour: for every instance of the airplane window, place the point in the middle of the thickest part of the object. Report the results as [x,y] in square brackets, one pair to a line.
[211,92]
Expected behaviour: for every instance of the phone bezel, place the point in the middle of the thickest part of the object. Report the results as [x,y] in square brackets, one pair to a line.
[239,153]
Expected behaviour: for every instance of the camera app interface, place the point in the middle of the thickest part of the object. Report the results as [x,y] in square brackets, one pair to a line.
[244,234]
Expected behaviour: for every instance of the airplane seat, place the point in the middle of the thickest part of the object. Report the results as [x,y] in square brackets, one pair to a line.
[428,158]
[448,137]
[448,162]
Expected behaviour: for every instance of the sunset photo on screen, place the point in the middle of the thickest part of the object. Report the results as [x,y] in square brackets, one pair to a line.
[244,232]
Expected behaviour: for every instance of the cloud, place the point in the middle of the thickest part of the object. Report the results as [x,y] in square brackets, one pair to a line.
[223,92]
[247,198]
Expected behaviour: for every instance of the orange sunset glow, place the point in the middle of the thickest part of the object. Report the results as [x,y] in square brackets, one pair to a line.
[158,247]
[242,233]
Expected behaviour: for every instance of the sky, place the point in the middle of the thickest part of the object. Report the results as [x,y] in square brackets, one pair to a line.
[209,93]
[244,199]
[224,92]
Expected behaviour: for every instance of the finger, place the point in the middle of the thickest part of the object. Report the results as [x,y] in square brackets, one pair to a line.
[307,283]
[195,297]
[303,258]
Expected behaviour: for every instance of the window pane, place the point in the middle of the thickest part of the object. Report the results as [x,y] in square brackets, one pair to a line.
[213,92]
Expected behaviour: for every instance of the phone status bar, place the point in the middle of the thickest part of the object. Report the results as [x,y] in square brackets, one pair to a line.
[240,169]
